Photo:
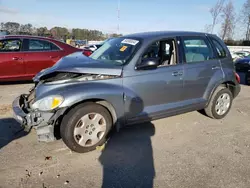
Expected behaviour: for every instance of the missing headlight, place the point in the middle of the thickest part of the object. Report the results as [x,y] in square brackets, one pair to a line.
[57,76]
[62,77]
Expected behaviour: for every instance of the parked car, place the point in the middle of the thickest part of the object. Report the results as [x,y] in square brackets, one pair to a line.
[242,65]
[240,54]
[129,80]
[88,50]
[243,53]
[22,57]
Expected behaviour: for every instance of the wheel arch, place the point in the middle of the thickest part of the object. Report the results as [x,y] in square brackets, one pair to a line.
[99,101]
[224,84]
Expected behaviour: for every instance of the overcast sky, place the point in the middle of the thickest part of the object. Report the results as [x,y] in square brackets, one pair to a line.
[135,15]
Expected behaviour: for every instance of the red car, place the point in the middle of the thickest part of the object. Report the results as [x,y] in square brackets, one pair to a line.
[22,57]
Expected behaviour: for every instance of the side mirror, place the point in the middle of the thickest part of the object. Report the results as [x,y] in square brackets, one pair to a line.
[148,64]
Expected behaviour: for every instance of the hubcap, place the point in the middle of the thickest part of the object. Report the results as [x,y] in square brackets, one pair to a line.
[222,104]
[90,129]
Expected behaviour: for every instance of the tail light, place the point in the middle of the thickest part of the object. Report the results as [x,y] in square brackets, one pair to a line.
[237,77]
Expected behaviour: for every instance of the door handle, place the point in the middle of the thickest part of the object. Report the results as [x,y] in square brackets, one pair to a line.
[16,58]
[215,67]
[176,73]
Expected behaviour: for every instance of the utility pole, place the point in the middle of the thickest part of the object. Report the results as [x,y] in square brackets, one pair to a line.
[118,16]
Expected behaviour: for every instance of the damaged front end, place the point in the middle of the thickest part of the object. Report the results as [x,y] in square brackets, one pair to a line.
[45,104]
[43,122]
[44,114]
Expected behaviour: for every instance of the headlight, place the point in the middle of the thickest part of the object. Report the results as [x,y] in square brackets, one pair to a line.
[48,103]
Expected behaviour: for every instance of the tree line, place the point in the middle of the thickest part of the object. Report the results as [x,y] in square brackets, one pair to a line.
[231,24]
[60,33]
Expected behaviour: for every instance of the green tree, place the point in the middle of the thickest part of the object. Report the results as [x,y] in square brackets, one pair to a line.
[12,27]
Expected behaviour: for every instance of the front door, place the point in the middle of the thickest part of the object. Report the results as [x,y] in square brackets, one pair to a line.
[11,59]
[151,94]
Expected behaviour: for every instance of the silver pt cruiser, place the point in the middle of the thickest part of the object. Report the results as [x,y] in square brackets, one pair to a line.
[129,80]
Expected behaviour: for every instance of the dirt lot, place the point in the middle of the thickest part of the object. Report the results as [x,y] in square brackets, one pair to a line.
[188,150]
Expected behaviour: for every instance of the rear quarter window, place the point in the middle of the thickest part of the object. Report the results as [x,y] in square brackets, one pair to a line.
[220,50]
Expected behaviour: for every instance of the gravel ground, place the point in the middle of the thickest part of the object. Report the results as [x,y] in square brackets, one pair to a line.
[188,150]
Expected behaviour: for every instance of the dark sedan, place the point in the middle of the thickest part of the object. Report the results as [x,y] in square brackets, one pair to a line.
[243,65]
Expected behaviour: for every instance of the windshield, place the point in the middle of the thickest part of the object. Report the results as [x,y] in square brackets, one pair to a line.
[117,50]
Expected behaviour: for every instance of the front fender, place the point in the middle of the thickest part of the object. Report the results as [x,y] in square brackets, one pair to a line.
[110,91]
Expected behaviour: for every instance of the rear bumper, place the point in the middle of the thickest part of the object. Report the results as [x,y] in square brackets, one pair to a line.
[43,122]
[237,90]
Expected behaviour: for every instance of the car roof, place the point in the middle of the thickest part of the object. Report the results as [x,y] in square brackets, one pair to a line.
[153,34]
[27,36]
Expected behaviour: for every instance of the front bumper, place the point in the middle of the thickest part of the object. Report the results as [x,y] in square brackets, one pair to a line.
[43,122]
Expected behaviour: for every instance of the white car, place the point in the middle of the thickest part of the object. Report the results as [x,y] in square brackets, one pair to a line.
[94,47]
[240,54]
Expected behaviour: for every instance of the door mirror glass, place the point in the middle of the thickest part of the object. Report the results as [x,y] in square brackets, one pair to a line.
[148,63]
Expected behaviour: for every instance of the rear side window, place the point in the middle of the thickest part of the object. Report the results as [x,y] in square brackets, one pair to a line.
[221,52]
[197,49]
[39,45]
[10,45]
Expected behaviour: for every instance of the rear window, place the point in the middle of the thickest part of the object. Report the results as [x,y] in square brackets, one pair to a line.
[221,52]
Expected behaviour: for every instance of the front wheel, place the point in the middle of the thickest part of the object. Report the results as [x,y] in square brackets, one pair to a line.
[85,127]
[220,103]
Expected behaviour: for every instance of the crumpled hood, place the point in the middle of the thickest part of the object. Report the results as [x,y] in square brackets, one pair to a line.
[78,63]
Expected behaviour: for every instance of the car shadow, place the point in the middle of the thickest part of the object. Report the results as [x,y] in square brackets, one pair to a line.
[16,82]
[127,158]
[10,130]
[244,78]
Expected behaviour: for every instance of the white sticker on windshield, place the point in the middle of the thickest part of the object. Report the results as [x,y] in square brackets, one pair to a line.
[130,41]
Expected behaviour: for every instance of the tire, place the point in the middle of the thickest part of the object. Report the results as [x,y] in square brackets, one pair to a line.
[212,110]
[74,122]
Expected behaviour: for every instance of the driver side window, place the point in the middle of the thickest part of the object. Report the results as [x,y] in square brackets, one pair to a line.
[164,51]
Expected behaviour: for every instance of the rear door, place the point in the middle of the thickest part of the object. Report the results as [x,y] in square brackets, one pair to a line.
[201,68]
[11,59]
[40,54]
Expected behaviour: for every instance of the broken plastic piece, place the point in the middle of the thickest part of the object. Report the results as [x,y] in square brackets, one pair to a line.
[48,158]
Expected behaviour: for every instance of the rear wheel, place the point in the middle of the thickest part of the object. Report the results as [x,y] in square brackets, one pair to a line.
[220,103]
[85,127]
